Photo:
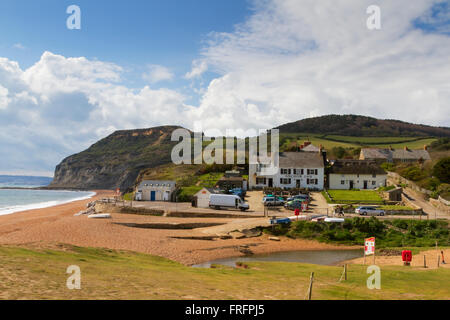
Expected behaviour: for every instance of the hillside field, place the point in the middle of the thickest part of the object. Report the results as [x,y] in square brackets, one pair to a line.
[331,141]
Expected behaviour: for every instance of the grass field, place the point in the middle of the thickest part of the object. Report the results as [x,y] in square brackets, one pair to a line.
[331,141]
[106,274]
[351,196]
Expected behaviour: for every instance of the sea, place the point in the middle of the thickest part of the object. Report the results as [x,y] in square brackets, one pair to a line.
[15,199]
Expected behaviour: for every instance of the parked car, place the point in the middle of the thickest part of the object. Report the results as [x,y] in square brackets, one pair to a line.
[299,197]
[273,201]
[294,204]
[237,191]
[369,211]
[218,201]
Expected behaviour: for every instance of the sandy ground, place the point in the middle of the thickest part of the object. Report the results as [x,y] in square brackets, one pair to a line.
[49,226]
[431,258]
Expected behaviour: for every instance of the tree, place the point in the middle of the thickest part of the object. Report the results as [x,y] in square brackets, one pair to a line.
[441,170]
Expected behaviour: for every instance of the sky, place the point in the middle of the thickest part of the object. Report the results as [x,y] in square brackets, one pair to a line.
[210,64]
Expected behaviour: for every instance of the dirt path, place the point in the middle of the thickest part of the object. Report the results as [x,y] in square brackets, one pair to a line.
[429,209]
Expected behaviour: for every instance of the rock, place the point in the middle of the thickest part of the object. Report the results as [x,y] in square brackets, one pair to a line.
[252,233]
[86,212]
[224,236]
[237,235]
[274,238]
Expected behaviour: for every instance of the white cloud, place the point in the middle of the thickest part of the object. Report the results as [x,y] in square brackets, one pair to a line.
[157,73]
[61,105]
[19,46]
[294,59]
[198,68]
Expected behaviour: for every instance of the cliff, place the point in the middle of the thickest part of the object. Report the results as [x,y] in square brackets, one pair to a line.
[115,162]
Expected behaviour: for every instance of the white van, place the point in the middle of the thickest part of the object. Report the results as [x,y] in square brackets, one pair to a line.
[217,201]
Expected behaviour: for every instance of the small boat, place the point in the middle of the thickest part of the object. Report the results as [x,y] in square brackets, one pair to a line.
[100,216]
[335,220]
[280,221]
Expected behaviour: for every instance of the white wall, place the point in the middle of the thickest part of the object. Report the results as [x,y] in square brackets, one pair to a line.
[294,177]
[358,181]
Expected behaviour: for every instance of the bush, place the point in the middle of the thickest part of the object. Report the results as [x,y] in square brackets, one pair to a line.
[395,233]
[413,173]
[441,170]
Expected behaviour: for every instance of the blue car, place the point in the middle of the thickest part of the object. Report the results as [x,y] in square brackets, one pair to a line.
[238,192]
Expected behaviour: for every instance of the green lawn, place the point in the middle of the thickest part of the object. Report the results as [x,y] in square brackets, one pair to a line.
[107,274]
[355,197]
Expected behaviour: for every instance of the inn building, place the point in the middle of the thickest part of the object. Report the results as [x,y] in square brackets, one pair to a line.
[295,170]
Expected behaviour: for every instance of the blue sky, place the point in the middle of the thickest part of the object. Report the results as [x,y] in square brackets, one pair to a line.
[211,65]
[130,33]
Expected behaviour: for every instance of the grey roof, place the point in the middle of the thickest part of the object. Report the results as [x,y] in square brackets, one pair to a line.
[301,160]
[395,154]
[356,167]
[154,182]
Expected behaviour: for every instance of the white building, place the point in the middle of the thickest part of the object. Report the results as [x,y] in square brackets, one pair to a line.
[154,190]
[296,170]
[356,174]
[201,198]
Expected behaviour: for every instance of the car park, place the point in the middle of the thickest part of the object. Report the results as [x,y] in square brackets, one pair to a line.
[369,211]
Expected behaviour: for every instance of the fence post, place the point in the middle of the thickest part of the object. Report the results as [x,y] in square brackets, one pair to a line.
[424,261]
[311,280]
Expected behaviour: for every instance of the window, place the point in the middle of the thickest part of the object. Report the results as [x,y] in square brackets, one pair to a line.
[312,181]
[285,181]
[374,183]
[261,181]
[374,176]
[312,172]
[342,181]
[284,171]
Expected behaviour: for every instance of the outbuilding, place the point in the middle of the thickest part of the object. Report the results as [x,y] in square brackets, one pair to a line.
[201,198]
[155,190]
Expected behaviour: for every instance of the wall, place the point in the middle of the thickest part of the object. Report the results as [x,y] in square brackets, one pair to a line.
[410,184]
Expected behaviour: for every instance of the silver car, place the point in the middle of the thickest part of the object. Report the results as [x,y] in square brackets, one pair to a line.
[369,211]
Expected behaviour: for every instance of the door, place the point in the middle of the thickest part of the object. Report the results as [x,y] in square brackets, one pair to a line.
[351,184]
[152,195]
[298,184]
[270,183]
[365,185]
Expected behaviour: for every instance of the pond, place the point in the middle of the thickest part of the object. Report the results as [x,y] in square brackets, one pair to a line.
[322,257]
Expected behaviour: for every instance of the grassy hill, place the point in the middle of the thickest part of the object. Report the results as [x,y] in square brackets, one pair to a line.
[362,126]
